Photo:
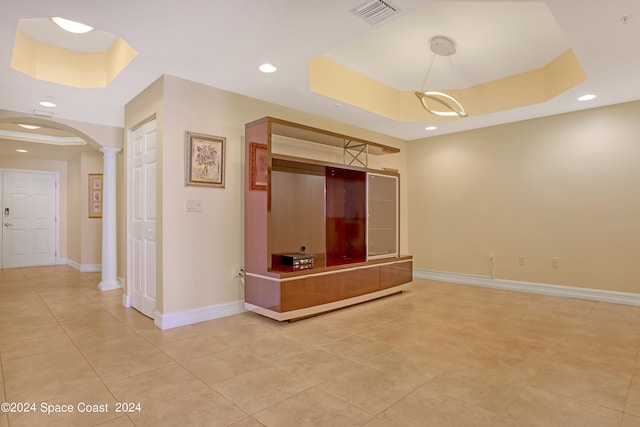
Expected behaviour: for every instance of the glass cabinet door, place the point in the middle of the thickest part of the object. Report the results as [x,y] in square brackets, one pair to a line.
[382,215]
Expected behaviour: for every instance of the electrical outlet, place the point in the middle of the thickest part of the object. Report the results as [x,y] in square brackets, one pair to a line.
[522,260]
[555,262]
[492,258]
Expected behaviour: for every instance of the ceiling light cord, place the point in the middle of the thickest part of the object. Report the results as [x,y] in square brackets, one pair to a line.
[426,76]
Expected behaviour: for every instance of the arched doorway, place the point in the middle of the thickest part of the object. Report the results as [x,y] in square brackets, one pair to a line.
[83,148]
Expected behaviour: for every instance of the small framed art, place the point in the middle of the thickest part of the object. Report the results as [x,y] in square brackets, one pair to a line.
[258,170]
[95,195]
[205,160]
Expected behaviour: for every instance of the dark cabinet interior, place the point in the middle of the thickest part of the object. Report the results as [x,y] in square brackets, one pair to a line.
[346,216]
[322,210]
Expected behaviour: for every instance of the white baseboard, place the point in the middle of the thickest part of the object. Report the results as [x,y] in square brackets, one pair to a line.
[61,261]
[535,288]
[85,268]
[126,301]
[173,320]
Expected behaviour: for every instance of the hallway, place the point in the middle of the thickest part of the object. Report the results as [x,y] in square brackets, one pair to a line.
[438,355]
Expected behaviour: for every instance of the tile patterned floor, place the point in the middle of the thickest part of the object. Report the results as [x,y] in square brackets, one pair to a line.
[437,355]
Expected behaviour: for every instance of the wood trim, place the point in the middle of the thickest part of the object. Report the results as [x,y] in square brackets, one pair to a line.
[262,292]
[308,292]
[311,311]
[319,136]
[255,218]
[319,271]
[296,165]
[282,162]
[295,293]
[395,274]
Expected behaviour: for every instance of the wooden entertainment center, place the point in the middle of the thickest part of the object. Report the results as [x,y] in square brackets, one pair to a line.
[321,233]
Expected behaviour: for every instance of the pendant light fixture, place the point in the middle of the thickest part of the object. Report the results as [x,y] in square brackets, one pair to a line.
[436,102]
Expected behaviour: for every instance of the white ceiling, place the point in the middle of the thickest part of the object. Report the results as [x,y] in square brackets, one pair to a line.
[493,40]
[221,44]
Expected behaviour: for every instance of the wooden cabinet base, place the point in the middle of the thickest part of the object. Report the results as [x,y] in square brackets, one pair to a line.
[323,308]
[285,297]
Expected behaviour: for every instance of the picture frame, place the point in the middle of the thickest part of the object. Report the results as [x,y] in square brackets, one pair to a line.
[205,160]
[259,166]
[95,195]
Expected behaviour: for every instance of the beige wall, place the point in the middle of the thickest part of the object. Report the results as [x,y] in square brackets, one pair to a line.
[121,200]
[24,163]
[565,186]
[201,251]
[91,235]
[74,191]
[85,234]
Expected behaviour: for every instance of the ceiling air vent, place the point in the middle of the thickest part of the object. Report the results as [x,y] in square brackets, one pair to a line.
[374,11]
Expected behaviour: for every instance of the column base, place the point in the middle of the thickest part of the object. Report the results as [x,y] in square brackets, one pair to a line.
[109,285]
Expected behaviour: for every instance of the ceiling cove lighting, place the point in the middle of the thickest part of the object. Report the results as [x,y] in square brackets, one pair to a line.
[30,127]
[587,97]
[436,102]
[71,26]
[267,68]
[47,104]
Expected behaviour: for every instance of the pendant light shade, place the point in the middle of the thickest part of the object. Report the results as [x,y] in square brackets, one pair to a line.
[441,104]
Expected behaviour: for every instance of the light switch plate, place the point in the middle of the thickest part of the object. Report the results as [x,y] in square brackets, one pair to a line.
[194,205]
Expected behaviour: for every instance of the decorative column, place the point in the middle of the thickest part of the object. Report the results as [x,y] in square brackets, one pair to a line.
[109,241]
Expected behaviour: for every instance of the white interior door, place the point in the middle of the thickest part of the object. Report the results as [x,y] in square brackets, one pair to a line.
[143,218]
[28,219]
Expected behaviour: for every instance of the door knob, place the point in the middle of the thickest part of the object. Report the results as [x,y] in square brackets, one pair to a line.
[7,224]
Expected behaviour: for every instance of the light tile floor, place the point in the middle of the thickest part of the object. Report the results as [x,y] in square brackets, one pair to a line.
[437,355]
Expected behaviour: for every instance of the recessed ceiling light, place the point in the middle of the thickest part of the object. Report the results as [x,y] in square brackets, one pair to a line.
[267,68]
[71,26]
[31,127]
[431,128]
[587,97]
[47,104]
[22,150]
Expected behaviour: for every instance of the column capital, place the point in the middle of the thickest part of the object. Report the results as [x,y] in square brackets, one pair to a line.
[110,150]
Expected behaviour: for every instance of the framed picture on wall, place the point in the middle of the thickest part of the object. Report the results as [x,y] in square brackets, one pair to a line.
[205,160]
[95,195]
[258,170]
